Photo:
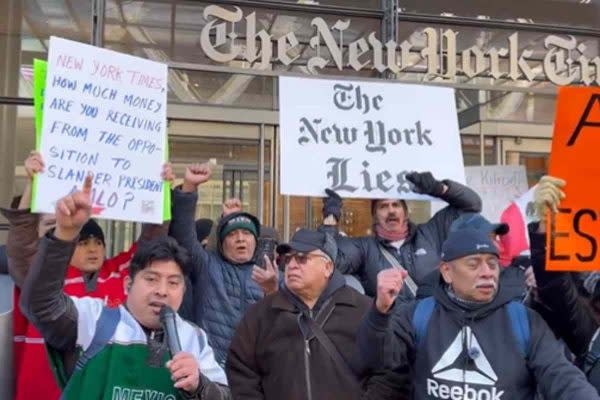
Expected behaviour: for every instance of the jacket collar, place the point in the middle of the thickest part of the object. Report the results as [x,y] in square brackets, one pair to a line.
[282,301]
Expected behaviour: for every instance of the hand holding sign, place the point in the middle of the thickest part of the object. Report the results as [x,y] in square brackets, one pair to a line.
[34,164]
[73,211]
[425,183]
[167,173]
[195,175]
[548,195]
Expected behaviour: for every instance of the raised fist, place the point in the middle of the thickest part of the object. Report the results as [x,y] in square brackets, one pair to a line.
[389,284]
[196,174]
[231,205]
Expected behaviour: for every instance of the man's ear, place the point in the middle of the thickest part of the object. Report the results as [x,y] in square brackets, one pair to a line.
[445,271]
[329,268]
[127,282]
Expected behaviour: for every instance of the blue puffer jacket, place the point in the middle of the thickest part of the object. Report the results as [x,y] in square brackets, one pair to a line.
[220,290]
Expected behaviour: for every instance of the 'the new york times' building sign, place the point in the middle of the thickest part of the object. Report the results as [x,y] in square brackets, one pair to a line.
[564,62]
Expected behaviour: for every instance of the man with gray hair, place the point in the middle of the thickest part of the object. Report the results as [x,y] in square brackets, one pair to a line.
[470,340]
[299,343]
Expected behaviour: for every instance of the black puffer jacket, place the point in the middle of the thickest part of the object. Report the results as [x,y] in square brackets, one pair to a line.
[420,253]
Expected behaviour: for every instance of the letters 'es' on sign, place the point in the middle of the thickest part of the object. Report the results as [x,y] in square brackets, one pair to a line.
[574,232]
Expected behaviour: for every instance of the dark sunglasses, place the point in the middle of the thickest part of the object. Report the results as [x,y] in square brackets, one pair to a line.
[301,258]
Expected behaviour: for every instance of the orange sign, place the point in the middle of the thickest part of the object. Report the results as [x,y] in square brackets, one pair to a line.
[573,238]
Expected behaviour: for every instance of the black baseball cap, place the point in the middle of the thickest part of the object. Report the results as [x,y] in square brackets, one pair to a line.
[478,222]
[467,242]
[307,240]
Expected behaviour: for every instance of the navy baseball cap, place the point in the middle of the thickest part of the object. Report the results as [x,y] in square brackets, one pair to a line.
[307,240]
[478,222]
[467,242]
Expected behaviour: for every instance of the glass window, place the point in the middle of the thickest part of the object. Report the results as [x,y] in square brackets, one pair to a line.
[365,4]
[26,29]
[17,139]
[219,88]
[584,13]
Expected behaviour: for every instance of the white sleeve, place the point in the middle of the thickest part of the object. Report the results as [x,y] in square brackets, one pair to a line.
[88,310]
[193,340]
[208,365]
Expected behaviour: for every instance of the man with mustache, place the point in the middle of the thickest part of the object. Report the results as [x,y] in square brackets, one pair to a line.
[397,242]
[470,339]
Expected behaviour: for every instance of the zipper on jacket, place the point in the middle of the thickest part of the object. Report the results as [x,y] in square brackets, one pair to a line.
[307,369]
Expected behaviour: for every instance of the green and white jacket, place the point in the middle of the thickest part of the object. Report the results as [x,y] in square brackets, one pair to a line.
[120,369]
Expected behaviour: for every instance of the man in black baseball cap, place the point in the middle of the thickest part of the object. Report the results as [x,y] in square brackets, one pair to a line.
[312,321]
[309,260]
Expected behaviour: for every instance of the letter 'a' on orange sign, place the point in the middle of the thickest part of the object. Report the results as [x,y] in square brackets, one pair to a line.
[573,234]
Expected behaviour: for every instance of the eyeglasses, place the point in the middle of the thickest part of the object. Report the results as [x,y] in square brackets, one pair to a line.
[301,258]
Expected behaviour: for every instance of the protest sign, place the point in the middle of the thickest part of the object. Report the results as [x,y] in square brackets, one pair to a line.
[361,138]
[104,113]
[497,185]
[573,233]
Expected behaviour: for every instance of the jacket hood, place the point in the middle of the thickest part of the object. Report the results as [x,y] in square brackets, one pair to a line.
[223,221]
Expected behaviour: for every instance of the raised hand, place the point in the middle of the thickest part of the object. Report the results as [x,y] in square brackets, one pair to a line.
[425,183]
[73,211]
[267,278]
[231,205]
[34,164]
[196,174]
[167,173]
[389,284]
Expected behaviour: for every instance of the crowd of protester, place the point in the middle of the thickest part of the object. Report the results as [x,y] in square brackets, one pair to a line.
[413,311]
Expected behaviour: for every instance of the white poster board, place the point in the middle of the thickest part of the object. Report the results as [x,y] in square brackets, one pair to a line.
[497,185]
[361,138]
[104,113]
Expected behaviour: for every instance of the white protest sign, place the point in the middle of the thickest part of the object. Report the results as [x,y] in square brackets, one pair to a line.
[497,185]
[104,113]
[361,138]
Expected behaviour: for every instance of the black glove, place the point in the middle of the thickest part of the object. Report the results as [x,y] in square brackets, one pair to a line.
[332,205]
[425,183]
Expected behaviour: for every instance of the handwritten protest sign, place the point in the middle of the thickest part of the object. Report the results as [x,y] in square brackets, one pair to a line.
[574,232]
[497,185]
[361,138]
[105,113]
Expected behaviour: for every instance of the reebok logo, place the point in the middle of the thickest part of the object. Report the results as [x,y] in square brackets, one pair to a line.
[450,367]
[481,246]
[421,252]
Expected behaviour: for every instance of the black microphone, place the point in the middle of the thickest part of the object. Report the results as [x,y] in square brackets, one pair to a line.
[167,320]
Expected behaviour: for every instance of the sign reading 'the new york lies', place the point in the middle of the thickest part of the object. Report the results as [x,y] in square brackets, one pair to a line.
[361,138]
